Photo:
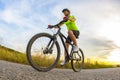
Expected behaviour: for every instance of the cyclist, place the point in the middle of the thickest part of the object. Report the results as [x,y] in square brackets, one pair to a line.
[73,32]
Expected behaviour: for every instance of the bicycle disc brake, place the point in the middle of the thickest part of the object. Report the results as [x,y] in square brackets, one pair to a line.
[47,51]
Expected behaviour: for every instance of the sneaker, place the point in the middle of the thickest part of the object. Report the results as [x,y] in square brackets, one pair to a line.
[75,48]
[65,61]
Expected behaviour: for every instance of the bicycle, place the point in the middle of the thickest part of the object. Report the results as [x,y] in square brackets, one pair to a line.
[44,56]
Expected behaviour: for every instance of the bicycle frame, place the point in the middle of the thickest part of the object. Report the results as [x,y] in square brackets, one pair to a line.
[62,37]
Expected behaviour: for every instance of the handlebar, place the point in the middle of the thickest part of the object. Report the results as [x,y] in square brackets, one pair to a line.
[53,26]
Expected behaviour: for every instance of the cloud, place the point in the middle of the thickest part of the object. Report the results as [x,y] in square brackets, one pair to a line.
[20,20]
[2,31]
[94,46]
[102,44]
[17,23]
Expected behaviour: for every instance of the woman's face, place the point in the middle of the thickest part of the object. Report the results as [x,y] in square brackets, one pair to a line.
[66,13]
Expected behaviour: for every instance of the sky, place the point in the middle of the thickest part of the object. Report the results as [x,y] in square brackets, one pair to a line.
[98,21]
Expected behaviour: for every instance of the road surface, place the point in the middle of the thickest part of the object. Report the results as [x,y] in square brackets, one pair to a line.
[13,71]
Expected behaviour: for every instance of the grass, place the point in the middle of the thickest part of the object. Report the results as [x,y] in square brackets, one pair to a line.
[12,55]
[97,64]
[18,57]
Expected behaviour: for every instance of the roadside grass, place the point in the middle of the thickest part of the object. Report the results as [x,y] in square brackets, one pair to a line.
[12,55]
[98,64]
[18,57]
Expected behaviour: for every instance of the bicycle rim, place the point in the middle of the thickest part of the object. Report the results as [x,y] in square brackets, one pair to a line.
[77,60]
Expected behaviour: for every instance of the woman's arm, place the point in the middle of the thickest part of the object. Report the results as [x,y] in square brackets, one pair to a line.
[72,19]
[60,23]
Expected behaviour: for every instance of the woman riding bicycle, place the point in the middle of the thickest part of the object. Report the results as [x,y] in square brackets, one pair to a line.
[44,47]
[73,32]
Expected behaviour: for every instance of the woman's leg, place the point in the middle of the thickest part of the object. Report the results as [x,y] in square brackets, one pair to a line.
[72,37]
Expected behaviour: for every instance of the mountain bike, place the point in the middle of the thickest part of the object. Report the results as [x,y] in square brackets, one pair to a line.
[43,52]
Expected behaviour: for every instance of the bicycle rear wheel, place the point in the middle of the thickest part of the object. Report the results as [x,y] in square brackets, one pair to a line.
[77,61]
[38,54]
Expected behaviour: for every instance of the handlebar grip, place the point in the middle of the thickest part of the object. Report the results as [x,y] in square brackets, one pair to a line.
[50,26]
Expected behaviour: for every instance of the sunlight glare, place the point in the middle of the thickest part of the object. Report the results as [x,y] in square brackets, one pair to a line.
[114,55]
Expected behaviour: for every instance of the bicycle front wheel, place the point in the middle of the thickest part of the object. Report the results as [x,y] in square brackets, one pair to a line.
[77,60]
[39,54]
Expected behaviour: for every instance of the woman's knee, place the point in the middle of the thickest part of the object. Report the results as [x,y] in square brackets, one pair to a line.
[70,32]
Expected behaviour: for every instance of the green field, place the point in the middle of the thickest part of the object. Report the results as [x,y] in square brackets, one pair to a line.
[18,57]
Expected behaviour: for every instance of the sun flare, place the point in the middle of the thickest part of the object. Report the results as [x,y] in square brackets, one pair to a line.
[114,56]
[109,29]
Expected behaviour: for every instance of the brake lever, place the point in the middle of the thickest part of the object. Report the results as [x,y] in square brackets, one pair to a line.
[50,26]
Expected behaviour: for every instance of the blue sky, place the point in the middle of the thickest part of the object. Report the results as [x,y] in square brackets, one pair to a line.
[98,21]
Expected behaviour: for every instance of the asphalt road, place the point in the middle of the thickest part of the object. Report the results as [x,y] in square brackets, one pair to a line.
[13,71]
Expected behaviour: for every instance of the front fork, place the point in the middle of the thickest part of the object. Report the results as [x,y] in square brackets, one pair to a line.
[50,45]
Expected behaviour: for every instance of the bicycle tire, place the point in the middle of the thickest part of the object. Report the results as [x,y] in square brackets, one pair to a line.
[82,63]
[28,52]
